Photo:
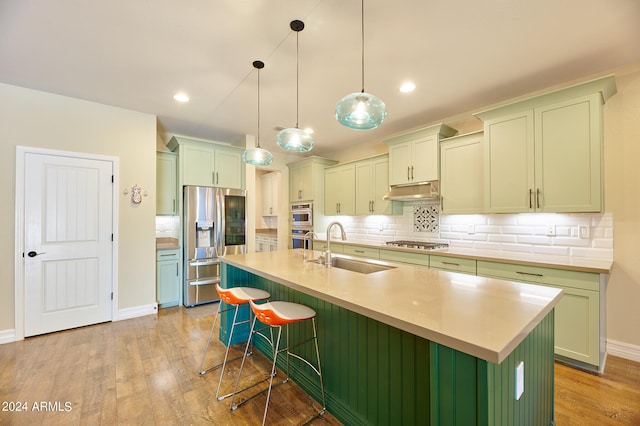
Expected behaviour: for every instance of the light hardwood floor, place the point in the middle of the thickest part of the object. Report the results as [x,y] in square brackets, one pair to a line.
[145,371]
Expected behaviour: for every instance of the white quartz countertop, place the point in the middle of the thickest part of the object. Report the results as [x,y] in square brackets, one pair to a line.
[581,264]
[486,318]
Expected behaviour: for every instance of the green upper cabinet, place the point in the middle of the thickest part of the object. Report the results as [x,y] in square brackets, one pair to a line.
[166,183]
[340,190]
[306,179]
[208,164]
[372,183]
[461,174]
[414,157]
[544,154]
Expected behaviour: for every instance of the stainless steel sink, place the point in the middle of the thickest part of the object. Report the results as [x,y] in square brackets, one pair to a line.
[360,266]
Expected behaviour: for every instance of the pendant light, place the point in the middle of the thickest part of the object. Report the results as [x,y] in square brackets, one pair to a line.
[257,156]
[361,110]
[292,138]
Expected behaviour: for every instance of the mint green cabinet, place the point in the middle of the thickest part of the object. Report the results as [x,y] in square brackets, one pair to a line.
[544,154]
[579,322]
[208,164]
[168,277]
[306,180]
[411,258]
[414,157]
[461,174]
[361,251]
[372,183]
[453,264]
[166,183]
[340,190]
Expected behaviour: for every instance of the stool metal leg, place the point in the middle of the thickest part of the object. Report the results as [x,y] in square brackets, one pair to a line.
[226,355]
[206,349]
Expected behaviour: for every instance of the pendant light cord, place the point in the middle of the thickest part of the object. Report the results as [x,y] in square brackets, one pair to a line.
[297,77]
[362,21]
[258,138]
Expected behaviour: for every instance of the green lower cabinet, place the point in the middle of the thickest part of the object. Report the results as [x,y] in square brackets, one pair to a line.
[375,374]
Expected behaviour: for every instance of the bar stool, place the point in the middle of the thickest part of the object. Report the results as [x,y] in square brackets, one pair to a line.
[275,315]
[234,297]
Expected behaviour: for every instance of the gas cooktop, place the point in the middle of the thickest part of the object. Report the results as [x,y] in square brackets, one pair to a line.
[417,244]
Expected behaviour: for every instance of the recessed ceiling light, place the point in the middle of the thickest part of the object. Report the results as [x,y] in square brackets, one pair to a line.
[407,87]
[181,97]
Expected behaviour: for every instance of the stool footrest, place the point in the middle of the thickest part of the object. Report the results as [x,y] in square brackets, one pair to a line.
[234,407]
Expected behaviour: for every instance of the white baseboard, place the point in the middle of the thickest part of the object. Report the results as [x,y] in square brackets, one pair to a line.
[137,311]
[623,350]
[7,336]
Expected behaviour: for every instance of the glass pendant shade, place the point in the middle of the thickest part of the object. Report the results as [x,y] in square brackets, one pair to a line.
[257,156]
[294,139]
[361,111]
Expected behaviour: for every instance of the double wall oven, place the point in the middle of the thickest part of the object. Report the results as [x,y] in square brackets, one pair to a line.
[301,219]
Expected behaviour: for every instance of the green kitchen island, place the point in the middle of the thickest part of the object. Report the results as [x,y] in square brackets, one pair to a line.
[410,345]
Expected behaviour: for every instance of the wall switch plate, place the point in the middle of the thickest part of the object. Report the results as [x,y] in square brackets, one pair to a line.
[551,230]
[583,231]
[471,229]
[519,380]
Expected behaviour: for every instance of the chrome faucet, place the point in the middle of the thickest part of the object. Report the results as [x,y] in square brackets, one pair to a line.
[344,238]
[309,234]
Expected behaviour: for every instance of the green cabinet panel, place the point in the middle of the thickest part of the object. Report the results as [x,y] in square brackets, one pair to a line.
[306,180]
[168,277]
[372,183]
[405,257]
[414,155]
[578,325]
[204,163]
[468,391]
[539,275]
[166,183]
[461,174]
[368,252]
[340,190]
[455,264]
[544,154]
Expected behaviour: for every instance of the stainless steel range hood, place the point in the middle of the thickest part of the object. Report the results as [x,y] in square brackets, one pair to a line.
[419,191]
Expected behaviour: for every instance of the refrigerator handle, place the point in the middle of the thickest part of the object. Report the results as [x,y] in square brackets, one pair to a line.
[218,215]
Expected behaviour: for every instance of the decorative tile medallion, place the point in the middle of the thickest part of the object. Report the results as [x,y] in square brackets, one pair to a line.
[426,218]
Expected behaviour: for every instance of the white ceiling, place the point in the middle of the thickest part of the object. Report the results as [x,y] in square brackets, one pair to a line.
[462,55]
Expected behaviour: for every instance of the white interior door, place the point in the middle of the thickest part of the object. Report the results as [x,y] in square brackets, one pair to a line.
[68,220]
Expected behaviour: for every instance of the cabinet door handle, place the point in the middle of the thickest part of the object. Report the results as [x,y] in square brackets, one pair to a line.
[177,269]
[213,178]
[530,274]
[411,172]
[530,195]
[408,170]
[451,263]
[359,251]
[174,205]
[299,194]
[538,197]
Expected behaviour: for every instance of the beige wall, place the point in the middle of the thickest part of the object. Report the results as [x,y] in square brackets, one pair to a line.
[43,120]
[622,194]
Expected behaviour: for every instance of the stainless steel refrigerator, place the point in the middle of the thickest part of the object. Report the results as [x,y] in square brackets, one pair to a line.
[214,225]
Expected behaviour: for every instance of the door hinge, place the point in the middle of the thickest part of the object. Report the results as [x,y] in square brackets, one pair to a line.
[112,179]
[111,295]
[111,237]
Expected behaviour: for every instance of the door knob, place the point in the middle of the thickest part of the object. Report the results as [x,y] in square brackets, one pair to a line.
[33,254]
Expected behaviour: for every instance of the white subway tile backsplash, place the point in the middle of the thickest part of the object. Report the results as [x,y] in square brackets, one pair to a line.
[510,232]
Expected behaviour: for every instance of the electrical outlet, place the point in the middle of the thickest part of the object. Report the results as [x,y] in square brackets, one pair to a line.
[519,380]
[583,231]
[471,229]
[551,230]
